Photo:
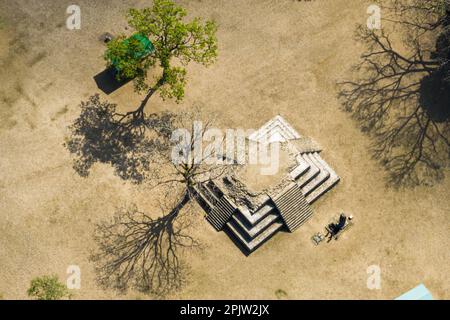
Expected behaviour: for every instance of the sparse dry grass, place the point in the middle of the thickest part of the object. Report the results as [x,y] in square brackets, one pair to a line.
[274,57]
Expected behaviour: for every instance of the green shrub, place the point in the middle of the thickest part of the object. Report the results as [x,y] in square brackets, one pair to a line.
[281,294]
[47,288]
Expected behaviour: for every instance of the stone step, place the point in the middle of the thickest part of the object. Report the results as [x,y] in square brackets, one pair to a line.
[301,217]
[204,202]
[212,187]
[327,185]
[252,219]
[221,213]
[203,188]
[319,179]
[299,170]
[291,202]
[324,188]
[276,127]
[310,174]
[251,232]
[293,207]
[250,246]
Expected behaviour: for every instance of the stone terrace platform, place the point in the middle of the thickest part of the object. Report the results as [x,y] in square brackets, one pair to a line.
[251,218]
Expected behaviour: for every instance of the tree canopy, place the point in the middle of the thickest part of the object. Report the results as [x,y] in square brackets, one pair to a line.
[176,43]
[47,288]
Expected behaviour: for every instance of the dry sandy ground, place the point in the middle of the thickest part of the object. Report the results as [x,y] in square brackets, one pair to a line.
[276,57]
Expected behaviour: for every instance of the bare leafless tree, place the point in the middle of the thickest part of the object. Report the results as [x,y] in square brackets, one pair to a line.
[144,252]
[401,95]
[194,156]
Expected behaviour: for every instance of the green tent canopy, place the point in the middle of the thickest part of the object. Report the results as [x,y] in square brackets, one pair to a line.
[145,44]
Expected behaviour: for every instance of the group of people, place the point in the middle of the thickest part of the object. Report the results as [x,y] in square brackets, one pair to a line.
[333,229]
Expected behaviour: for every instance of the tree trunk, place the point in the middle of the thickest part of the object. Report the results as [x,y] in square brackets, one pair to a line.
[187,196]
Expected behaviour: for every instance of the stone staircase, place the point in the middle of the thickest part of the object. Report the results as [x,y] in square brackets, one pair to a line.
[290,208]
[221,213]
[205,197]
[293,206]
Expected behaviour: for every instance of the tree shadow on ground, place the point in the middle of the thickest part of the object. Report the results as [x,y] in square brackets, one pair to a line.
[136,249]
[403,99]
[100,135]
[145,253]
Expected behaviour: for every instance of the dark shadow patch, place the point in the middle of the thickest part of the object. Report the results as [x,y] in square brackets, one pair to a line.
[99,135]
[435,96]
[107,82]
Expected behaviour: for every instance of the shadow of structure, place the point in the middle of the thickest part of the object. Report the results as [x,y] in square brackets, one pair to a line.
[107,82]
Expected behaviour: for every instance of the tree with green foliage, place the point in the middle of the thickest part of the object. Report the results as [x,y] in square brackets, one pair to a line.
[176,44]
[101,133]
[47,288]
